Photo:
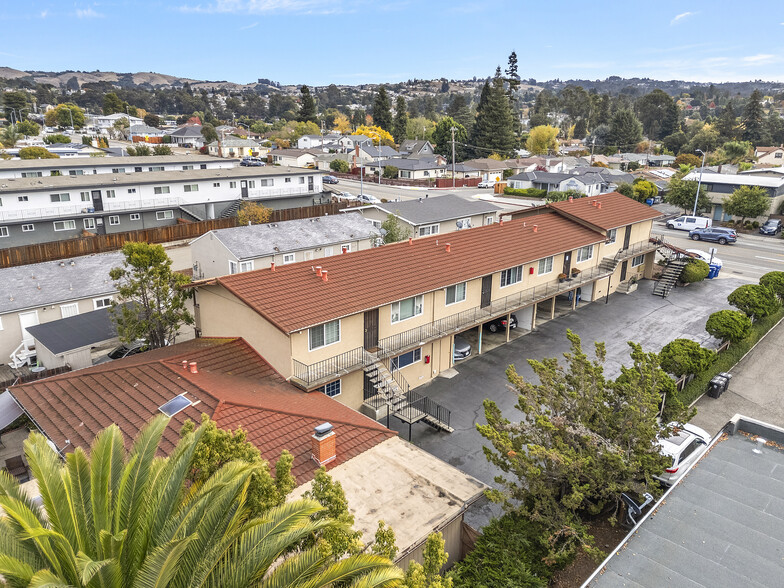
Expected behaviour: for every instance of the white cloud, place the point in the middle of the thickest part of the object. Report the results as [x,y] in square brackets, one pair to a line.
[759,58]
[269,6]
[87,13]
[250,26]
[44,13]
[679,17]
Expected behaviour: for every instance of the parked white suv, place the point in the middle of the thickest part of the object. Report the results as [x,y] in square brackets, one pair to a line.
[485,184]
[685,445]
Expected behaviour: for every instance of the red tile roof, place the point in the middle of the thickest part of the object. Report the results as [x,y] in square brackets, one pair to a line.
[235,386]
[293,297]
[616,211]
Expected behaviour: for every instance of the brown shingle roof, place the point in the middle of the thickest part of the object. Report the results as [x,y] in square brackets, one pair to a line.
[235,386]
[616,210]
[293,297]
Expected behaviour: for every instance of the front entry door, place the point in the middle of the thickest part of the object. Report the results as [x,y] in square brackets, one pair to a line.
[371,330]
[97,202]
[627,237]
[487,290]
[567,263]
[624,267]
[28,319]
[244,188]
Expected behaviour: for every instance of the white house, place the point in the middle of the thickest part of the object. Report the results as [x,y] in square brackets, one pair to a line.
[106,122]
[317,141]
[295,157]
[236,147]
[770,155]
[188,136]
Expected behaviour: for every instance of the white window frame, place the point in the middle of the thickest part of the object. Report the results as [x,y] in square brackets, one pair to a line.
[545,266]
[4,232]
[289,258]
[190,188]
[61,197]
[216,184]
[327,251]
[252,183]
[232,185]
[287,180]
[103,302]
[323,328]
[135,216]
[416,357]
[331,389]
[638,260]
[427,230]
[234,267]
[458,293]
[111,194]
[66,308]
[246,266]
[156,168]
[419,308]
[585,253]
[118,170]
[345,248]
[161,190]
[511,276]
[69,227]
[164,215]
[611,236]
[89,223]
[114,220]
[85,197]
[28,227]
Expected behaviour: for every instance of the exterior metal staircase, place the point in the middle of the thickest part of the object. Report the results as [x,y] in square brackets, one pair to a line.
[231,210]
[669,277]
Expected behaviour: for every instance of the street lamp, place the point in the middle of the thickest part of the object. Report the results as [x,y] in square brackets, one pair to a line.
[699,183]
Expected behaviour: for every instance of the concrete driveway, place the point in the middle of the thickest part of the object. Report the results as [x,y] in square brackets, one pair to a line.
[640,317]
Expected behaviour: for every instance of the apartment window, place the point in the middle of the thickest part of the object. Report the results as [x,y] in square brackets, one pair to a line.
[545,265]
[584,253]
[405,173]
[611,236]
[60,197]
[191,187]
[216,184]
[232,185]
[28,228]
[131,190]
[511,276]
[55,172]
[406,359]
[456,293]
[3,231]
[164,215]
[89,223]
[289,258]
[246,266]
[233,267]
[76,172]
[84,196]
[332,389]
[202,166]
[67,310]
[302,180]
[161,189]
[187,167]
[428,230]
[324,335]
[105,302]
[408,308]
[32,174]
[136,216]
[110,194]
[327,251]
[68,225]
[118,170]
[287,180]
[22,198]
[638,260]
[252,183]
[778,155]
[345,248]
[156,168]
[114,220]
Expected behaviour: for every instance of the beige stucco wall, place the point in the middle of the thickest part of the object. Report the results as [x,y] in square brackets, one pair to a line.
[352,335]
[453,546]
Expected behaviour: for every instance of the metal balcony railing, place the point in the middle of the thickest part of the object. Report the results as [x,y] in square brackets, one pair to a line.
[333,367]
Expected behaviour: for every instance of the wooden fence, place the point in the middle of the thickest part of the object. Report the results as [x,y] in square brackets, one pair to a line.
[33,376]
[54,250]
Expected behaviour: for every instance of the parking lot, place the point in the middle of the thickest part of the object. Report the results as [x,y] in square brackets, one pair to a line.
[640,317]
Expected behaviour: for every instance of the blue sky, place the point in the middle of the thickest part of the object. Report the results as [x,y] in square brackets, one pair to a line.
[318,42]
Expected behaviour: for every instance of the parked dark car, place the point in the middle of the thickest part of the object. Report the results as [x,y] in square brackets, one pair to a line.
[330,180]
[718,235]
[771,227]
[462,349]
[127,350]
[499,324]
[252,162]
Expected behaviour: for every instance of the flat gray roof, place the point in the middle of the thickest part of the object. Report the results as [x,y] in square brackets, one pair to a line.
[259,240]
[75,332]
[47,184]
[721,525]
[436,208]
[68,162]
[55,282]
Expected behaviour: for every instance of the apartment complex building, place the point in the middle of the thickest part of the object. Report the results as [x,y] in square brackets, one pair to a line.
[720,186]
[369,326]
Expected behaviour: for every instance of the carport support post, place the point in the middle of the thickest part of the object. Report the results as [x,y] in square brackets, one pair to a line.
[574,298]
[607,297]
[479,344]
[552,308]
[533,317]
[508,320]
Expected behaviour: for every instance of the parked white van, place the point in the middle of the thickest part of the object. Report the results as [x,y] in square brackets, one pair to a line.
[689,223]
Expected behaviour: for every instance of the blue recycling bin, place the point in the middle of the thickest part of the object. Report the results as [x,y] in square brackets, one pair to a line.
[713,271]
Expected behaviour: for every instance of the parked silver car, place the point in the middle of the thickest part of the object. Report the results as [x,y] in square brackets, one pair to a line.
[461,350]
[685,445]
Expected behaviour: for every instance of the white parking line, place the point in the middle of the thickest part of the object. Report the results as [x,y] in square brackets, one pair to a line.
[770,258]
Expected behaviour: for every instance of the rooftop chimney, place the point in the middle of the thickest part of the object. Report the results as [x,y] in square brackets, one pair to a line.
[324,275]
[501,222]
[448,247]
[570,198]
[318,271]
[272,266]
[598,205]
[185,364]
[410,240]
[194,369]
[536,228]
[593,202]
[322,444]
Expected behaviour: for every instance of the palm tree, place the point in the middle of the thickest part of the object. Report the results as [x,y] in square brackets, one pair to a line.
[127,518]
[9,136]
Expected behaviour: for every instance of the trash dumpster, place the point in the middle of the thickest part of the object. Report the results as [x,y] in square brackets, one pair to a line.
[718,385]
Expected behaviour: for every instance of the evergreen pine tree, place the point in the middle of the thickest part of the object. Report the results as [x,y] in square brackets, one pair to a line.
[358,117]
[753,121]
[512,77]
[625,130]
[382,115]
[775,127]
[727,123]
[493,130]
[401,120]
[458,109]
[307,108]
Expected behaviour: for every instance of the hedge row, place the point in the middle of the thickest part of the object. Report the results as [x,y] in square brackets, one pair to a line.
[525,192]
[727,359]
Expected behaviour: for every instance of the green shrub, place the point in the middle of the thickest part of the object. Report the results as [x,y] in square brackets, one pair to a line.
[774,281]
[696,270]
[509,554]
[340,166]
[755,300]
[390,172]
[684,356]
[755,225]
[525,192]
[729,325]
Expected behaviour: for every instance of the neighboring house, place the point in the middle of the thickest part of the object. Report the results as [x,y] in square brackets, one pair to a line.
[490,170]
[354,324]
[106,122]
[67,150]
[611,178]
[188,136]
[769,155]
[720,186]
[317,141]
[375,152]
[352,141]
[413,148]
[383,477]
[145,134]
[433,216]
[295,157]
[410,169]
[719,525]
[611,161]
[36,210]
[49,291]
[42,168]
[589,184]
[463,171]
[236,147]
[241,249]
[661,160]
[640,159]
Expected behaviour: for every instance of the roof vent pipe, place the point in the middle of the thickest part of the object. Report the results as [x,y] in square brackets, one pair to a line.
[536,228]
[570,198]
[185,364]
[760,444]
[272,266]
[324,275]
[410,240]
[193,367]
[598,205]
[501,222]
[318,271]
[448,247]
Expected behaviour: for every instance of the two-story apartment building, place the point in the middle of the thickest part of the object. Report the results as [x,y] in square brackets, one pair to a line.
[368,326]
[242,249]
[36,210]
[433,215]
[720,186]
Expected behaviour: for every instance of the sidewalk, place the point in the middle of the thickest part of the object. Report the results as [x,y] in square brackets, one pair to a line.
[756,389]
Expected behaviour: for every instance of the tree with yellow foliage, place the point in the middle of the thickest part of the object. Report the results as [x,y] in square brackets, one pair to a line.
[542,139]
[253,213]
[379,135]
[342,124]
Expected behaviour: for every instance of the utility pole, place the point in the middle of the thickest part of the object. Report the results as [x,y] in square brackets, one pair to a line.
[453,156]
[593,144]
